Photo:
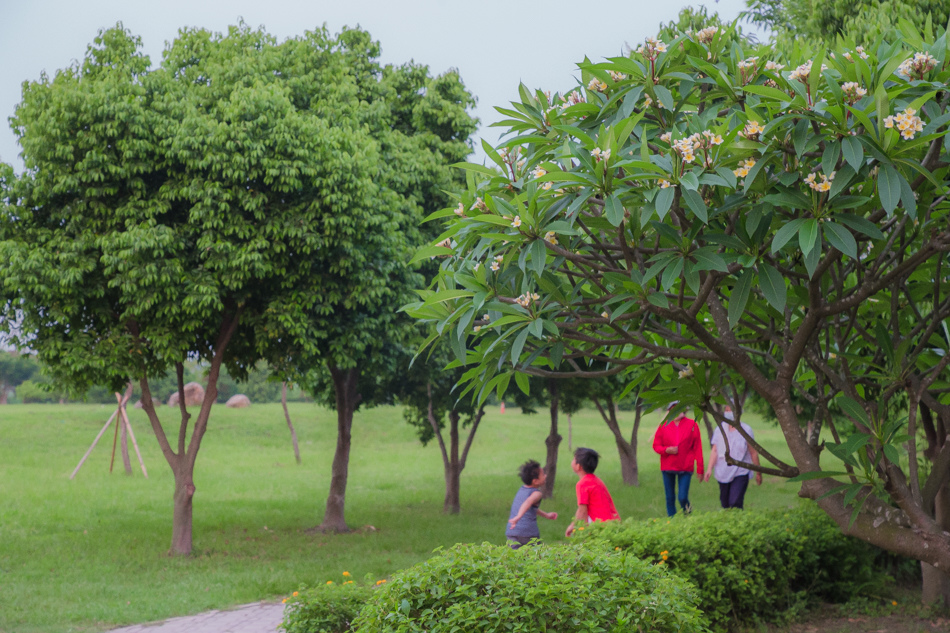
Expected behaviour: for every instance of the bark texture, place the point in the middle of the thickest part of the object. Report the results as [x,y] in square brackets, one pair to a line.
[627,449]
[453,459]
[346,390]
[553,440]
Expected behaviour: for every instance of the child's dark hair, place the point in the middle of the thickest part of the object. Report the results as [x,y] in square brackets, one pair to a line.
[529,471]
[587,458]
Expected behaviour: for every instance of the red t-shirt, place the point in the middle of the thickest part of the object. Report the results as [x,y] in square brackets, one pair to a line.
[592,492]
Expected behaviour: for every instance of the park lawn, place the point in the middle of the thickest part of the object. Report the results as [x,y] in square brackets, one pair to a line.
[90,554]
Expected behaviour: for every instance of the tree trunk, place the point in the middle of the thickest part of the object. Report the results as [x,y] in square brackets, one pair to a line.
[345,385]
[181,522]
[182,461]
[4,389]
[627,450]
[290,425]
[453,471]
[936,583]
[552,442]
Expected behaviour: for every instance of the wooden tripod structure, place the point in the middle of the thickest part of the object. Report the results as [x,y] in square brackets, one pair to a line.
[122,422]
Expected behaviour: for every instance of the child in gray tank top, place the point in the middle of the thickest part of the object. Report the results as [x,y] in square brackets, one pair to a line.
[523,519]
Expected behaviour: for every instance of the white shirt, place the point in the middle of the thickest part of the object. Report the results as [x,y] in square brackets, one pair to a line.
[738,450]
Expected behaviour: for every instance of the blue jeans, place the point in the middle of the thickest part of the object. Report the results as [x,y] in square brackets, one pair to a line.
[669,484]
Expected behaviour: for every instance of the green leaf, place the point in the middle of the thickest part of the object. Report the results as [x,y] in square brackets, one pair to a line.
[740,296]
[829,159]
[853,409]
[773,286]
[666,100]
[695,203]
[889,188]
[808,235]
[518,345]
[523,383]
[821,474]
[861,225]
[853,152]
[785,233]
[663,200]
[613,209]
[840,238]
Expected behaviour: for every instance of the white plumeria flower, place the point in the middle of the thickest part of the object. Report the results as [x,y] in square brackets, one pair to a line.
[516,222]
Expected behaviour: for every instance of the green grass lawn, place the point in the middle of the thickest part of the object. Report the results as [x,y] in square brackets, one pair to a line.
[90,554]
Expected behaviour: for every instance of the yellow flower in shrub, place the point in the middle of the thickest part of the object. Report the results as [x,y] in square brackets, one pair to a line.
[346,573]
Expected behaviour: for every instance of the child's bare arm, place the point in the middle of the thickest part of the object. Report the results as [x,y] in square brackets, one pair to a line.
[548,515]
[533,498]
[580,518]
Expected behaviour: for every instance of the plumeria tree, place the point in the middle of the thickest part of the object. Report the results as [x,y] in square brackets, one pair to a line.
[771,216]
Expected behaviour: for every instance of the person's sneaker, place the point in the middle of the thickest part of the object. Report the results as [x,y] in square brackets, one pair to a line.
[688,509]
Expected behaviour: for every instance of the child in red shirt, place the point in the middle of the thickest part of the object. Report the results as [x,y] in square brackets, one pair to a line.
[679,444]
[594,502]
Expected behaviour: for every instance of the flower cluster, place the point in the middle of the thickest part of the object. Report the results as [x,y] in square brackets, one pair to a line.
[572,100]
[596,85]
[551,238]
[664,184]
[917,66]
[686,147]
[852,92]
[686,373]
[749,69]
[525,300]
[537,172]
[752,130]
[907,122]
[820,185]
[617,76]
[480,205]
[647,101]
[859,50]
[460,210]
[743,170]
[600,154]
[652,48]
[706,35]
[770,65]
[745,64]
[495,265]
[802,72]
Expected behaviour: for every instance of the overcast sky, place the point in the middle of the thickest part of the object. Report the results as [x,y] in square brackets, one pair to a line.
[493,43]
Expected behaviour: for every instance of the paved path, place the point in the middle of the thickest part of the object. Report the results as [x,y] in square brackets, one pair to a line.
[257,617]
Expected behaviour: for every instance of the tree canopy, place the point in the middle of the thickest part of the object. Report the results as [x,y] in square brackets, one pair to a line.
[765,218]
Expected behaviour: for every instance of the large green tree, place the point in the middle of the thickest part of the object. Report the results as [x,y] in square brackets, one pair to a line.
[825,20]
[193,211]
[352,342]
[778,216]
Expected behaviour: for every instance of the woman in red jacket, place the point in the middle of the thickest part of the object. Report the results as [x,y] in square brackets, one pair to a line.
[679,444]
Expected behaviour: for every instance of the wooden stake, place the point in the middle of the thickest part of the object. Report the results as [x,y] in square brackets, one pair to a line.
[114,441]
[128,426]
[94,442]
[293,433]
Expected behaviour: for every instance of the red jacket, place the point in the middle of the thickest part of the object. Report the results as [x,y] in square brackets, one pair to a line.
[686,437]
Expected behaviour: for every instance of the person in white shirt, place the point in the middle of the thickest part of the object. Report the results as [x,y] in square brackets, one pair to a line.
[733,480]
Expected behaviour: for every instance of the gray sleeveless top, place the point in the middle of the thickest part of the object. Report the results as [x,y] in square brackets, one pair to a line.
[527,526]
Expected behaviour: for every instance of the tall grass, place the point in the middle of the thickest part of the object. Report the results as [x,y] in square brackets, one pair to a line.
[90,554]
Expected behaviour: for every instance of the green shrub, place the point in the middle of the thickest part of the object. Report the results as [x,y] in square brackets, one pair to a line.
[546,588]
[751,565]
[329,608]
